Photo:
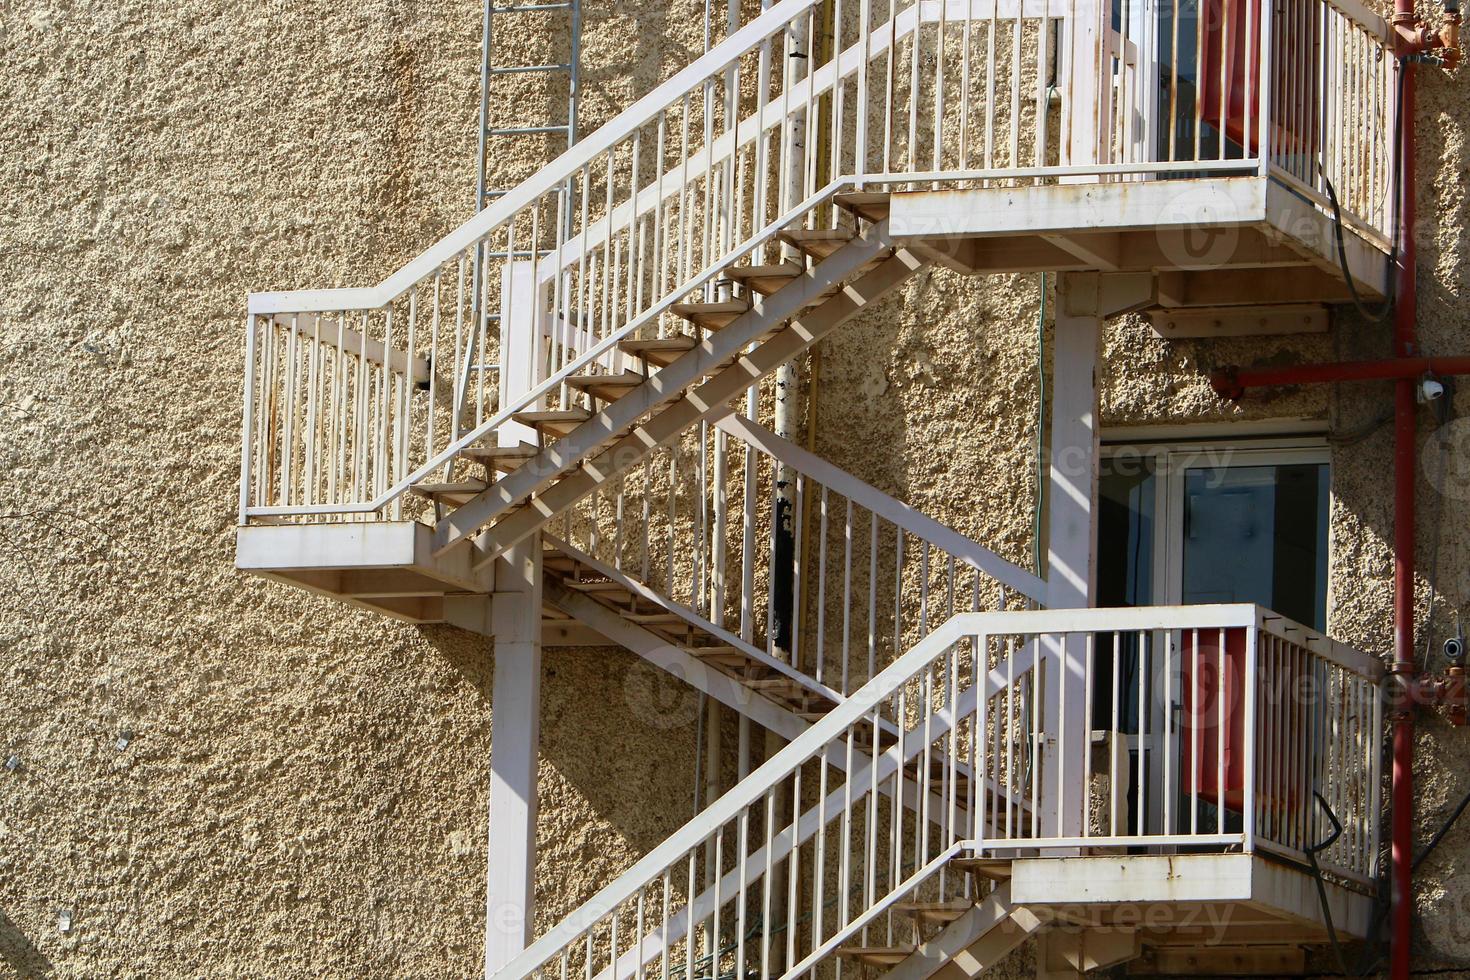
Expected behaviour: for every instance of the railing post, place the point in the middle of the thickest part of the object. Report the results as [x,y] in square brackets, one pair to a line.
[515,624]
[1248,818]
[520,343]
[1072,523]
[1264,106]
[1086,89]
[247,419]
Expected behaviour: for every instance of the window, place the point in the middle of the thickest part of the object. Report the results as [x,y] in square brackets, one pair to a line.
[1215,523]
[1189,524]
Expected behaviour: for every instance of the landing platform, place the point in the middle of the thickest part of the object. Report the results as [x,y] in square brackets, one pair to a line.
[388,567]
[1190,900]
[1210,242]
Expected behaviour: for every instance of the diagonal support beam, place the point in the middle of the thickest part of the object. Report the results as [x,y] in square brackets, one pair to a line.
[890,509]
[740,881]
[680,663]
[667,385]
[708,401]
[973,943]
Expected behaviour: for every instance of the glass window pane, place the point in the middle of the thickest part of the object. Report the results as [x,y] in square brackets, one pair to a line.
[1258,534]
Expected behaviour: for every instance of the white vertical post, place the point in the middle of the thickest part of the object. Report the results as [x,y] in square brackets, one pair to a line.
[1071,495]
[1086,82]
[515,625]
[522,344]
[1072,530]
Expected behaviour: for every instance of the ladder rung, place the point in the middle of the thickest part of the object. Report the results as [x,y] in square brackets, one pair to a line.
[526,69]
[501,193]
[531,8]
[520,254]
[528,130]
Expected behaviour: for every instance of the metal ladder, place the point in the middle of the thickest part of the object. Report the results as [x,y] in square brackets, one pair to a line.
[489,69]
[490,134]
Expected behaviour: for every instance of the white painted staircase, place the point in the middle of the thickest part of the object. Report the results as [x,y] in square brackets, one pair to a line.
[953,784]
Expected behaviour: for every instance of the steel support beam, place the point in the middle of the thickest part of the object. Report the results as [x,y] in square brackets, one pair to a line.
[515,626]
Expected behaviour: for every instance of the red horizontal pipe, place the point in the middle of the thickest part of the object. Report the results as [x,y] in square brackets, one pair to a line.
[1232,382]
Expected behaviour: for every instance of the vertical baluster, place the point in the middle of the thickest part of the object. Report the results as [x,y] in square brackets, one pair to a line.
[249,445]
[821,654]
[847,591]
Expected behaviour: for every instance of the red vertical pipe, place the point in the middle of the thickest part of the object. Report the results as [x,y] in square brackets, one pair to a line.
[1403,542]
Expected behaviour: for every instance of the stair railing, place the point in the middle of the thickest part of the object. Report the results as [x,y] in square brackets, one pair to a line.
[971,726]
[1210,727]
[793,878]
[652,207]
[869,575]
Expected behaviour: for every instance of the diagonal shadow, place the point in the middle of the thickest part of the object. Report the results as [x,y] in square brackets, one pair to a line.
[19,954]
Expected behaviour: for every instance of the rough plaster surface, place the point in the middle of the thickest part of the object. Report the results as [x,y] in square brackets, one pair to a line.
[303,792]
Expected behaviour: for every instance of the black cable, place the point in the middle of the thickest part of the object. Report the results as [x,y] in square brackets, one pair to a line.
[1440,834]
[1374,316]
[1311,853]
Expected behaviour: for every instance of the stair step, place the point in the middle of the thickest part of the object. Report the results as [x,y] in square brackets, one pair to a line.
[663,351]
[607,387]
[945,912]
[877,955]
[819,243]
[996,869]
[868,205]
[597,588]
[711,316]
[458,491]
[661,617]
[554,422]
[503,458]
[765,279]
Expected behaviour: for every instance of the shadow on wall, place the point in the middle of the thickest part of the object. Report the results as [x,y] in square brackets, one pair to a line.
[19,954]
[616,732]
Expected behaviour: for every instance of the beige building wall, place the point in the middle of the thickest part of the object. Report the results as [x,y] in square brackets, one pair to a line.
[217,776]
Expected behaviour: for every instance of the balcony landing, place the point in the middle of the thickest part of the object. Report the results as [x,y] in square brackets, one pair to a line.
[388,567]
[1208,243]
[1190,900]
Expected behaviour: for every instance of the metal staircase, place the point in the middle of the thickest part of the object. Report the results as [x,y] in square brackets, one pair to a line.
[914,828]
[638,296]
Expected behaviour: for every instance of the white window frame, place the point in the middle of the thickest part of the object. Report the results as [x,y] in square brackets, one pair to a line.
[1171,460]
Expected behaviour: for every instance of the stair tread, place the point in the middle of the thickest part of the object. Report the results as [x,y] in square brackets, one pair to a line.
[711,315]
[552,414]
[998,869]
[602,385]
[765,279]
[935,911]
[597,587]
[818,242]
[441,489]
[885,955]
[556,421]
[868,205]
[662,351]
[651,617]
[524,449]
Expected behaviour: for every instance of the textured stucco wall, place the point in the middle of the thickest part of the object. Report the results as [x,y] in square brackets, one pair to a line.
[304,791]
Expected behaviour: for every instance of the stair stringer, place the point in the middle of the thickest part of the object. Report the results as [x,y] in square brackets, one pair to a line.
[974,943]
[727,690]
[630,956]
[592,455]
